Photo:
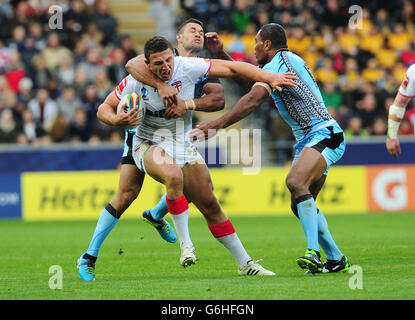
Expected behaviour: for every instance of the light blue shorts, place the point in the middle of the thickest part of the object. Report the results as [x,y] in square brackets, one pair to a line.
[329,141]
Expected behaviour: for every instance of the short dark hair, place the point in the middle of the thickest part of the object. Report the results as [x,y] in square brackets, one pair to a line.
[275,33]
[156,44]
[191,20]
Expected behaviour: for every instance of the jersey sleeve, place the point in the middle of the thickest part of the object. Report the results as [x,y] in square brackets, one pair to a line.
[124,87]
[407,88]
[196,68]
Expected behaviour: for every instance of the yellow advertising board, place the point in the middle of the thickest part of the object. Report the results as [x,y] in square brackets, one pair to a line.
[83,194]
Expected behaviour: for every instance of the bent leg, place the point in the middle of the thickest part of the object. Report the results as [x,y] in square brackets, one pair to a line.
[199,189]
[131,180]
[161,167]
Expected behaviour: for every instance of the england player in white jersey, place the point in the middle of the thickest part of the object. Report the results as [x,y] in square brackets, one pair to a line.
[160,149]
[397,111]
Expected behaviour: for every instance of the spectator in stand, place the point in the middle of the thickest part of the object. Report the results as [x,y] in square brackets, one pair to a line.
[32,130]
[367,110]
[128,48]
[14,70]
[326,72]
[331,96]
[36,33]
[90,105]
[79,129]
[68,102]
[91,64]
[165,15]
[17,40]
[105,22]
[54,53]
[81,82]
[76,20]
[44,109]
[102,84]
[66,72]
[7,95]
[355,128]
[59,131]
[240,16]
[92,38]
[41,72]
[378,127]
[116,70]
[9,129]
[25,90]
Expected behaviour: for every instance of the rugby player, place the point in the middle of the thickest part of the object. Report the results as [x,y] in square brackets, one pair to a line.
[208,97]
[397,111]
[161,149]
[320,141]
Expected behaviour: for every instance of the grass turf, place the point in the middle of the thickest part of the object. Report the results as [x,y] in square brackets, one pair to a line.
[135,263]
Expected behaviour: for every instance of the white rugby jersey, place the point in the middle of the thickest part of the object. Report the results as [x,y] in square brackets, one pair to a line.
[187,72]
[407,88]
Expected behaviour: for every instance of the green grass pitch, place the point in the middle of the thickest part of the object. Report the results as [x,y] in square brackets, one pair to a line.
[135,263]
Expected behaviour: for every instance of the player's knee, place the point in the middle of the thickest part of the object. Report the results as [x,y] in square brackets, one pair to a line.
[127,196]
[292,182]
[174,179]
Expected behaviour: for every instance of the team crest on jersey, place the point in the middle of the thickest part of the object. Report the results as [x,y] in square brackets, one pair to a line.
[177,84]
[405,82]
[144,93]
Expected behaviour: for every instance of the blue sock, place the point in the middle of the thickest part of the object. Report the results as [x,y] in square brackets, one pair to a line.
[105,224]
[160,210]
[326,240]
[307,212]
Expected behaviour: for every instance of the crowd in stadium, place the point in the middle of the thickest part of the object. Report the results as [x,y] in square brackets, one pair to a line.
[52,81]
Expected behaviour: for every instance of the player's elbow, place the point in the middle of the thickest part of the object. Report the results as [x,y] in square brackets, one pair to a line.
[129,65]
[219,102]
[99,112]
[253,103]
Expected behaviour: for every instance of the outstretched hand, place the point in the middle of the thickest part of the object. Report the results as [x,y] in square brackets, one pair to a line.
[204,130]
[277,80]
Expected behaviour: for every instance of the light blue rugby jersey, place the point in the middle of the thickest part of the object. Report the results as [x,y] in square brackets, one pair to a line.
[301,107]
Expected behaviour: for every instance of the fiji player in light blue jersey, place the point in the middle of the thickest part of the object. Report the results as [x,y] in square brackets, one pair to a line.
[320,141]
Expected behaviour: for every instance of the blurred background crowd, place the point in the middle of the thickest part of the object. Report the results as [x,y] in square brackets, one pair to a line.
[52,81]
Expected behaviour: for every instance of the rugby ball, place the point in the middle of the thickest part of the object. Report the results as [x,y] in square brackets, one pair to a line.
[131,101]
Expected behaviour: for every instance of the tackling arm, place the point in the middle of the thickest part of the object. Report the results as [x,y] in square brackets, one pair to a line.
[140,71]
[215,46]
[229,69]
[248,103]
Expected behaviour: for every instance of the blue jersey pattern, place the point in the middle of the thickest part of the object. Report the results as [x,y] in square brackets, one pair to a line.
[301,107]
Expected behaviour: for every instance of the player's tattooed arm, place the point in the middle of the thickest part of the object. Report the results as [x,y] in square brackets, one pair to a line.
[140,71]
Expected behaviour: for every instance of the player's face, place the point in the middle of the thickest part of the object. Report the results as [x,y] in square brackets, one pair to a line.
[162,64]
[259,49]
[192,37]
